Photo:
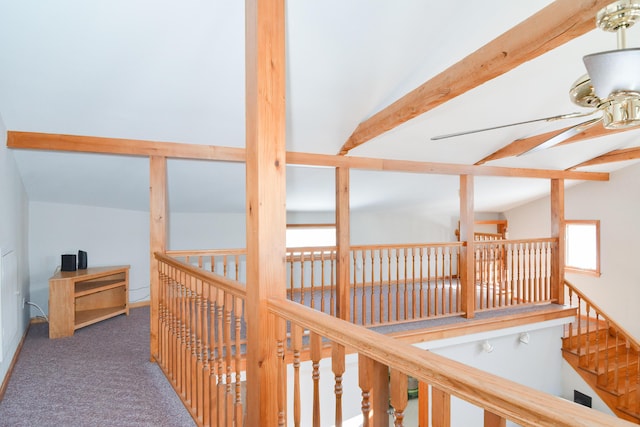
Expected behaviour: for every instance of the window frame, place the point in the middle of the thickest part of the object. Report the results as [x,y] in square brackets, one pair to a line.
[573,269]
[312,226]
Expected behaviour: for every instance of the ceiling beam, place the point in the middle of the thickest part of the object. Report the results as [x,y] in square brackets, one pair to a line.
[134,147]
[130,147]
[520,146]
[612,156]
[556,24]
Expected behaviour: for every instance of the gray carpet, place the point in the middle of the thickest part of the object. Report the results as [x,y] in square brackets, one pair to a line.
[101,376]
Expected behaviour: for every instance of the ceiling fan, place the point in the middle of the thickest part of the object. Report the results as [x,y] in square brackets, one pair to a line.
[610,87]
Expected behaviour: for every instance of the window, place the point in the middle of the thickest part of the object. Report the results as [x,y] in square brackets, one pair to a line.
[582,245]
[310,235]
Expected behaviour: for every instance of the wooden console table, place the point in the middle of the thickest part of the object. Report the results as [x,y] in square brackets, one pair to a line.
[83,297]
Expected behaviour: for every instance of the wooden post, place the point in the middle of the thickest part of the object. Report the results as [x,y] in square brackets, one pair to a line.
[380,394]
[558,232]
[157,238]
[266,210]
[493,420]
[441,408]
[466,267]
[423,404]
[343,243]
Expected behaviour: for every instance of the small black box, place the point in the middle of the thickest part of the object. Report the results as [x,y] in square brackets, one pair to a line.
[68,263]
[82,260]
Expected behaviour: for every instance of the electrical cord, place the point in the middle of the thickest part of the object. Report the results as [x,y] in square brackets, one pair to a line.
[38,307]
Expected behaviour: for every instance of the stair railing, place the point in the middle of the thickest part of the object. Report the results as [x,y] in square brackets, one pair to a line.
[606,349]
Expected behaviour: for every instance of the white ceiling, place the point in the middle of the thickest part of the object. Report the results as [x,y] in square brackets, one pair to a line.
[174,71]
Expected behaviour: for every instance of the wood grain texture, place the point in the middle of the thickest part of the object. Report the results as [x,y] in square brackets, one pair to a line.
[556,24]
[610,157]
[131,147]
[467,262]
[265,200]
[157,238]
[513,401]
[557,232]
[343,243]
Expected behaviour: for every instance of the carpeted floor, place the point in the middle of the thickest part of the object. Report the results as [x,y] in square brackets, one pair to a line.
[101,376]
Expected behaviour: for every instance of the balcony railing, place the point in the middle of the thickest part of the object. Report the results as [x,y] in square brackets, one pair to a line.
[202,352]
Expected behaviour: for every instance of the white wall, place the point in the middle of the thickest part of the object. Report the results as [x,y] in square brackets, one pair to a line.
[207,231]
[109,236]
[616,204]
[14,212]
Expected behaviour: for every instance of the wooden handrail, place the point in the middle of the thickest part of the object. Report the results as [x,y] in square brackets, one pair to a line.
[221,282]
[405,245]
[205,252]
[630,338]
[502,397]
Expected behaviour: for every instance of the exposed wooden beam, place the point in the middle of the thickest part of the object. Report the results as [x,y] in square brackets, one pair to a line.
[523,145]
[612,156]
[131,147]
[134,147]
[556,24]
[368,163]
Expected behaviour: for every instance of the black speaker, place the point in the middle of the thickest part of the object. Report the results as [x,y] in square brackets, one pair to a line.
[82,260]
[68,263]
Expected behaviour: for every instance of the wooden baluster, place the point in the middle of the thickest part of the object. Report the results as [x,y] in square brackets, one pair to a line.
[396,280]
[354,268]
[296,344]
[238,312]
[406,291]
[365,367]
[493,420]
[225,265]
[588,340]
[423,404]
[530,272]
[389,292]
[206,349]
[440,408]
[372,316]
[422,299]
[334,255]
[338,367]
[316,355]
[199,350]
[452,297]
[237,262]
[364,289]
[512,282]
[193,339]
[213,359]
[377,316]
[229,393]
[220,358]
[184,353]
[627,379]
[399,396]
[291,276]
[312,261]
[282,374]
[322,281]
[438,257]
[412,279]
[597,343]
[302,290]
[430,300]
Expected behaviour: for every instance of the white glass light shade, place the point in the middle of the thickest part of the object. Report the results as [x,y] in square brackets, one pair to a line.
[614,71]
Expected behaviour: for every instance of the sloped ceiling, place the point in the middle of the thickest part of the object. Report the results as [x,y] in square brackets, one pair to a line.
[174,71]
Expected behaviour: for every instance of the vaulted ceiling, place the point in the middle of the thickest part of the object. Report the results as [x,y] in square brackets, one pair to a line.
[174,71]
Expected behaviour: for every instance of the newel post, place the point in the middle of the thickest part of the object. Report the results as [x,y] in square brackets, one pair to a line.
[466,268]
[265,204]
[557,232]
[157,239]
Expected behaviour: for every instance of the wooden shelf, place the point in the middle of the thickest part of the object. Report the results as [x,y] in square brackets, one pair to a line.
[89,317]
[83,297]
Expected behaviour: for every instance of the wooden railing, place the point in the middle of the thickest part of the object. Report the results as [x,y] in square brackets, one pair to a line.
[513,272]
[384,365]
[202,353]
[394,283]
[399,283]
[606,349]
[200,340]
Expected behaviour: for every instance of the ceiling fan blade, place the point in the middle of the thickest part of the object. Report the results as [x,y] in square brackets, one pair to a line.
[564,135]
[545,119]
